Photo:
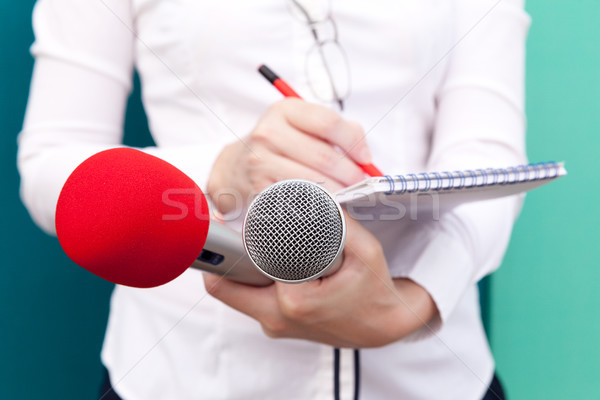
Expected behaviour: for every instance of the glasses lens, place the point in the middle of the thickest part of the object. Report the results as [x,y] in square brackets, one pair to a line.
[310,11]
[328,72]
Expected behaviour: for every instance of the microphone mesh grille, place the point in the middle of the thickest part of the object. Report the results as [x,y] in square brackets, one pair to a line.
[293,230]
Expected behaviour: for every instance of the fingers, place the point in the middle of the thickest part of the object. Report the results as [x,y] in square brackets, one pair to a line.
[309,154]
[319,156]
[261,303]
[327,125]
[363,260]
[299,140]
[256,302]
[361,242]
[271,168]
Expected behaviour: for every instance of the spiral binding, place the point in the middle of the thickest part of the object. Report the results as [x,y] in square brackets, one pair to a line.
[467,179]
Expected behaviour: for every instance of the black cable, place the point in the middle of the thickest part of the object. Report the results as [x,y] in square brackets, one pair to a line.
[336,373]
[356,374]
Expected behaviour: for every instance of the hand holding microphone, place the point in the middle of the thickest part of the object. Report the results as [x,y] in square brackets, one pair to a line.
[358,306]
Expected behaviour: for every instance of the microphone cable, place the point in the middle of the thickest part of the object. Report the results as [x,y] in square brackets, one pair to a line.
[356,373]
[336,373]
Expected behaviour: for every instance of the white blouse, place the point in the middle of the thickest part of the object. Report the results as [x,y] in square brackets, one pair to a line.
[436,84]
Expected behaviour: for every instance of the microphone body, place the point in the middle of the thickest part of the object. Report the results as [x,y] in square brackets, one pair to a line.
[224,254]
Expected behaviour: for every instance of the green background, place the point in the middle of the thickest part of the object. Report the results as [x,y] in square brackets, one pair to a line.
[544,318]
[541,306]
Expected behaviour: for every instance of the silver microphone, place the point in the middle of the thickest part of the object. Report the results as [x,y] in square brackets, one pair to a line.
[294,232]
[224,254]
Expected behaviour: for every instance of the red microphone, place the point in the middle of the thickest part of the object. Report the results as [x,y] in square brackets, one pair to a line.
[136,220]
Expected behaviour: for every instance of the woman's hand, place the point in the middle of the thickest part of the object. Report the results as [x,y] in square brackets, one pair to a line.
[294,139]
[358,306]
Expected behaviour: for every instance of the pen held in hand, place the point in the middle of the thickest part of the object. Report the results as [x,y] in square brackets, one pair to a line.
[287,91]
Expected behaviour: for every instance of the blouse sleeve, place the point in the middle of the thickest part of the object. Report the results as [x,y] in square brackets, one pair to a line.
[480,123]
[84,60]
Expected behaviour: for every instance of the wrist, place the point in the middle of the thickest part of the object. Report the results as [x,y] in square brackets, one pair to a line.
[415,307]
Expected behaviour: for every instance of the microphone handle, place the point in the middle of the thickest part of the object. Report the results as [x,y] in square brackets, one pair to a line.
[224,254]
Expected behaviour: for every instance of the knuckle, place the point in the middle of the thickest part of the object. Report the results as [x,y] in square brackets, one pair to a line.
[294,308]
[370,250]
[275,328]
[255,161]
[366,247]
[262,133]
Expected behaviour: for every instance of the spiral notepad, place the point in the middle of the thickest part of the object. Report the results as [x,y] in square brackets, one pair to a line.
[452,188]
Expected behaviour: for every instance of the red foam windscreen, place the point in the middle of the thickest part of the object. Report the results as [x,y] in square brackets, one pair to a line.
[131,218]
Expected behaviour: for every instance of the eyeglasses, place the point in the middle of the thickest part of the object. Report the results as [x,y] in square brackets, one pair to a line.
[327,69]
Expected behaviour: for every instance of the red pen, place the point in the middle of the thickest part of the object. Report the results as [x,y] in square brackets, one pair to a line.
[287,91]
